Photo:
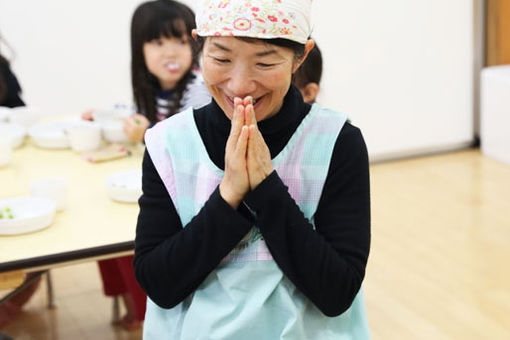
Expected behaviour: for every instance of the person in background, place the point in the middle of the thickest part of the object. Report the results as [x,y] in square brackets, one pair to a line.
[10,96]
[165,80]
[164,66]
[254,220]
[10,90]
[308,76]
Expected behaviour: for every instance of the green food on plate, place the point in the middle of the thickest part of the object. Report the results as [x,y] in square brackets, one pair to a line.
[6,212]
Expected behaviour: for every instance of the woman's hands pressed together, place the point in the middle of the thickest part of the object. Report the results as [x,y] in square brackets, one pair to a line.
[247,157]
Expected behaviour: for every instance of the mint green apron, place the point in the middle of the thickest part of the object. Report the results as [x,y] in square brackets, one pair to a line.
[247,296]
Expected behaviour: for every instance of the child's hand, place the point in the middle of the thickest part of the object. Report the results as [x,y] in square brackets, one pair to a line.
[88,115]
[135,127]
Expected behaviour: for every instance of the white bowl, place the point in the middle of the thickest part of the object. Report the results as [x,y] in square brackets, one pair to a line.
[29,214]
[15,131]
[54,135]
[5,114]
[113,131]
[125,186]
[84,137]
[25,115]
[119,112]
[49,135]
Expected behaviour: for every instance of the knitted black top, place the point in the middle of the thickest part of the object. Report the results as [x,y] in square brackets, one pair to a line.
[327,264]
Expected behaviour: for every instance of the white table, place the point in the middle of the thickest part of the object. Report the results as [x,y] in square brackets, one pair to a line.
[91,227]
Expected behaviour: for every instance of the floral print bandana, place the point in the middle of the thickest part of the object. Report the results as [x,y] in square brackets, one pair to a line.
[265,19]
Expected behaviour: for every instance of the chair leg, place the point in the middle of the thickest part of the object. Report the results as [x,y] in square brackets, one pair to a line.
[116,309]
[49,291]
[4,336]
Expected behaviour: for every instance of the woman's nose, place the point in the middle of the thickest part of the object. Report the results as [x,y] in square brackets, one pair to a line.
[241,83]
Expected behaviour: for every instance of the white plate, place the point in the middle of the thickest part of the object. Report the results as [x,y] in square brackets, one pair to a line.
[15,131]
[29,214]
[52,135]
[125,186]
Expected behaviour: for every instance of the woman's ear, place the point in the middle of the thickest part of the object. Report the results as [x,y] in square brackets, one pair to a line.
[308,47]
[194,34]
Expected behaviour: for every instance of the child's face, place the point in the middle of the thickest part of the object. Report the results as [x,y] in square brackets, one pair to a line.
[168,59]
[309,92]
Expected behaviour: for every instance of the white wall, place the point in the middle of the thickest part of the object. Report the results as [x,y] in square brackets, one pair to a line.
[70,55]
[402,70]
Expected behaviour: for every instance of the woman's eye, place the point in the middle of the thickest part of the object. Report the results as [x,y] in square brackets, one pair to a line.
[265,65]
[157,42]
[221,61]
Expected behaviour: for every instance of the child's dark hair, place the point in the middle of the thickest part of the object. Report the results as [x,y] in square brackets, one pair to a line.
[151,20]
[310,70]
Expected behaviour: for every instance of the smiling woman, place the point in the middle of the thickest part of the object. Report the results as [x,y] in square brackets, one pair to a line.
[255,215]
[249,67]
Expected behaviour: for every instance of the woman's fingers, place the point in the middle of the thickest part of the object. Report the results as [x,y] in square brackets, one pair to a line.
[258,157]
[247,100]
[242,143]
[249,116]
[235,183]
[235,129]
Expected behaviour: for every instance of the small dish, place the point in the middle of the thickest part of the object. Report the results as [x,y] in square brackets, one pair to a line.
[25,115]
[15,131]
[113,131]
[53,135]
[25,214]
[125,186]
[5,114]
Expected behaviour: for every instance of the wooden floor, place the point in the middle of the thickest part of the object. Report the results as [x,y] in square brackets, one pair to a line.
[439,265]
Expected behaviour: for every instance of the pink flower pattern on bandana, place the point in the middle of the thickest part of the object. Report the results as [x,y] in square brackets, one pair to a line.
[265,19]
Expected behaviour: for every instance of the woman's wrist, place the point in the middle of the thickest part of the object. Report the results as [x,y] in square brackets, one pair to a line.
[229,196]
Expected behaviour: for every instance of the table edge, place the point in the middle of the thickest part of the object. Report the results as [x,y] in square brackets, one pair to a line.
[69,256]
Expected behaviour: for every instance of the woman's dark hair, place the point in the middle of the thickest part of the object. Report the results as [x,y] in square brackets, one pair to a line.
[152,20]
[310,70]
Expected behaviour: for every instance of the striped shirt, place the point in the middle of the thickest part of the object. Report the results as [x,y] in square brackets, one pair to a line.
[195,95]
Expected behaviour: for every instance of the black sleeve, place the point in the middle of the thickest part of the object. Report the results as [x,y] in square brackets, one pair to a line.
[326,264]
[171,261]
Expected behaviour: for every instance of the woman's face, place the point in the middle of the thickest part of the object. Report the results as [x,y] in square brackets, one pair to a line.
[236,68]
[168,59]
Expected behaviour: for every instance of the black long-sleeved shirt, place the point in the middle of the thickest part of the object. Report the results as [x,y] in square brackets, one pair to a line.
[327,264]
